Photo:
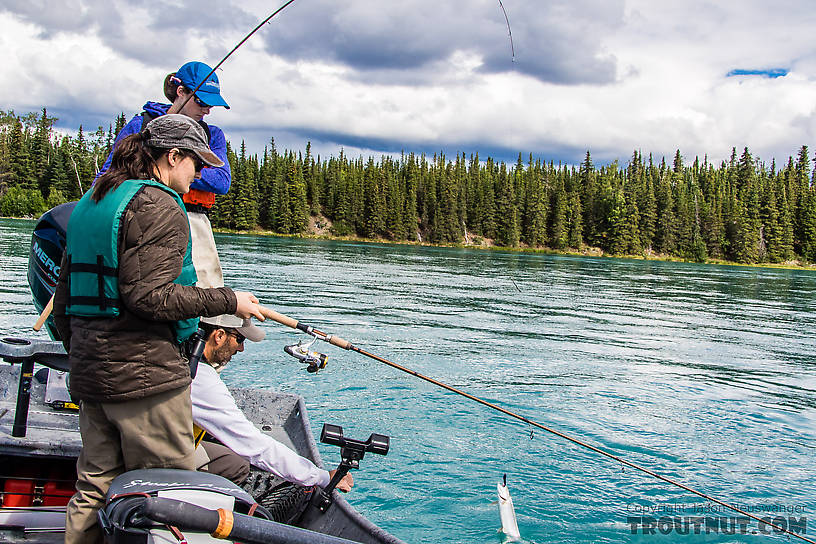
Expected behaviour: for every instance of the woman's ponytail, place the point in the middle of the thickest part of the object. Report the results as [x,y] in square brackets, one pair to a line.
[171,85]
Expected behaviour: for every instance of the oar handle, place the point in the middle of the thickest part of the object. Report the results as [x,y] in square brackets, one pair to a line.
[295,324]
[44,315]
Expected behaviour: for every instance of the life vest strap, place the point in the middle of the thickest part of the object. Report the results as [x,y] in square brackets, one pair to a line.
[102,302]
[100,270]
[94,269]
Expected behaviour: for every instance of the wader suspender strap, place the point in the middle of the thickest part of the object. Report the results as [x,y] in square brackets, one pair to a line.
[146,118]
[198,434]
[101,271]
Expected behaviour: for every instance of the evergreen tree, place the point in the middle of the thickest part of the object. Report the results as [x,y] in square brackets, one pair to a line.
[808,225]
[374,209]
[666,228]
[746,243]
[298,205]
[535,216]
[394,202]
[22,171]
[409,216]
[771,235]
[560,206]
[311,180]
[507,231]
[575,225]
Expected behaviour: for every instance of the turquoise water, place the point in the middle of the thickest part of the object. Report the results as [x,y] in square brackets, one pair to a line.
[701,373]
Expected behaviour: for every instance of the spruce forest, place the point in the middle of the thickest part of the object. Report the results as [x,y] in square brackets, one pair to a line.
[742,210]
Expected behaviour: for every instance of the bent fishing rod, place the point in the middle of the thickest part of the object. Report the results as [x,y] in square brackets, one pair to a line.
[234,49]
[262,23]
[345,344]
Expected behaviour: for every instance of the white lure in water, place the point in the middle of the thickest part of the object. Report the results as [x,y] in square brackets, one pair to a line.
[506,511]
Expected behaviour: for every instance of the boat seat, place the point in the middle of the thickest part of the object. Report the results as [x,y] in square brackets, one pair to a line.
[47,353]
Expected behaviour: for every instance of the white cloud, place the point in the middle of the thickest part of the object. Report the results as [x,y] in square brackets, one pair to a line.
[429,76]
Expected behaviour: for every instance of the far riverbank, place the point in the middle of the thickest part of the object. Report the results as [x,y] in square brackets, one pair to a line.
[488,245]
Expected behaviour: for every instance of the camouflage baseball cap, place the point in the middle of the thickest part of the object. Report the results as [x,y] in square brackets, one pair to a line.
[176,130]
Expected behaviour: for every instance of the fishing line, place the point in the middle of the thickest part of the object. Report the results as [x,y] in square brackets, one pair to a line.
[254,30]
[345,344]
[234,49]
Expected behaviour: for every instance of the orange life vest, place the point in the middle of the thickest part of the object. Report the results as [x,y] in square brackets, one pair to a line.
[199,197]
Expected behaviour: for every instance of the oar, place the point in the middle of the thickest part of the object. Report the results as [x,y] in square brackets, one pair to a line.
[45,313]
[345,344]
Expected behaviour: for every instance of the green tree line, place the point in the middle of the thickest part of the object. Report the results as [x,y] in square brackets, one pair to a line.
[741,209]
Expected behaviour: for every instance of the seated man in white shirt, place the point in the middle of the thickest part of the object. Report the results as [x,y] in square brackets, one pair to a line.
[215,411]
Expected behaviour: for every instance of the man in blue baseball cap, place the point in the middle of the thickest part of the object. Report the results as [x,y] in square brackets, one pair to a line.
[178,88]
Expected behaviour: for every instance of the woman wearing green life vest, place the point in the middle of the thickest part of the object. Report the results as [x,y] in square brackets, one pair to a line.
[125,300]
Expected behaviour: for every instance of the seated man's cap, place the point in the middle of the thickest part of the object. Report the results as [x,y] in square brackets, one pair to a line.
[243,326]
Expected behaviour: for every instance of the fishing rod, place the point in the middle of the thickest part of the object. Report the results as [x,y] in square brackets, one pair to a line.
[345,344]
[509,33]
[254,30]
[234,49]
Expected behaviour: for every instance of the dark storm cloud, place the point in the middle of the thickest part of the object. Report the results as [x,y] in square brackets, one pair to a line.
[558,41]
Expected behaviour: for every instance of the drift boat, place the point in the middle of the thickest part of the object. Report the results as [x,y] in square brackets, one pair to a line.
[40,441]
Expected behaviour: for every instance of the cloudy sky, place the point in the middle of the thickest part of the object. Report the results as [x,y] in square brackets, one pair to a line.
[370,76]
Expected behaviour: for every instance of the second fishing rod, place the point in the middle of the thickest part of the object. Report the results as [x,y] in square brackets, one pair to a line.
[345,344]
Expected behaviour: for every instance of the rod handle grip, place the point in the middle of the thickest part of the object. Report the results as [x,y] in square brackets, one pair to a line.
[340,343]
[44,315]
[280,318]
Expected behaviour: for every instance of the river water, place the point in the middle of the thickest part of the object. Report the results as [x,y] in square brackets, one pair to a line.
[702,373]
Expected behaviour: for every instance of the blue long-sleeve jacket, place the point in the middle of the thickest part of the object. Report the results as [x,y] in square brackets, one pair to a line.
[214,180]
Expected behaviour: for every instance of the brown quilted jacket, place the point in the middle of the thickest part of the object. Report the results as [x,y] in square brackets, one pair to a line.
[134,355]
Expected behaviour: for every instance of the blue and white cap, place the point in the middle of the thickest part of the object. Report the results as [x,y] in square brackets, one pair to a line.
[193,73]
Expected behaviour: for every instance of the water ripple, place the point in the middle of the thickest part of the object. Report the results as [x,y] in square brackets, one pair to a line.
[702,373]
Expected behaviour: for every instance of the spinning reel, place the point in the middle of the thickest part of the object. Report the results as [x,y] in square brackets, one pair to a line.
[315,360]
